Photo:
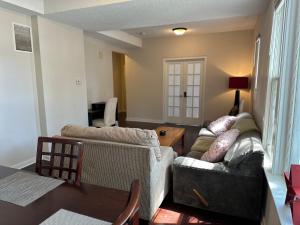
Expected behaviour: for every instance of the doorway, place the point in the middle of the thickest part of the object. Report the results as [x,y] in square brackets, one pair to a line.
[184,90]
[118,60]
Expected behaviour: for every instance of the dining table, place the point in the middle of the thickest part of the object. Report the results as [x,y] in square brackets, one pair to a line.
[90,200]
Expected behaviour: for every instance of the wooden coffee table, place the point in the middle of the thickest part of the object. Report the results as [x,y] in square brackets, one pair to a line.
[173,135]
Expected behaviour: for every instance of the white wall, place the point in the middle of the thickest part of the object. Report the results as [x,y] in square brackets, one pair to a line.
[18,117]
[38,91]
[61,64]
[99,69]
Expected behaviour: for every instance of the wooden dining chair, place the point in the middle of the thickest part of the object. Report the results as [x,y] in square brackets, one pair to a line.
[63,158]
[130,215]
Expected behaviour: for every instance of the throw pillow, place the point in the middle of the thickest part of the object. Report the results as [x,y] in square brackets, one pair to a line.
[222,124]
[206,132]
[202,143]
[244,115]
[244,125]
[220,146]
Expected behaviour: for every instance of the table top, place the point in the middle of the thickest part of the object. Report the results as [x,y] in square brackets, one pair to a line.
[173,135]
[90,200]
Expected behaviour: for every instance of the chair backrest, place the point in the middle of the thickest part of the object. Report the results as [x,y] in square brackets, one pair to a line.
[130,215]
[110,111]
[66,156]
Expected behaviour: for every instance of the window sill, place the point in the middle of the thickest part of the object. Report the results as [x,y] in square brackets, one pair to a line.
[278,189]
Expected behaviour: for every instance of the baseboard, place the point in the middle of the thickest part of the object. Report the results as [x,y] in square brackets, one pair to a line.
[25,163]
[136,119]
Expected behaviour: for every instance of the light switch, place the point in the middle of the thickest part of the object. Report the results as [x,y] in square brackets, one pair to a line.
[78,82]
[100,54]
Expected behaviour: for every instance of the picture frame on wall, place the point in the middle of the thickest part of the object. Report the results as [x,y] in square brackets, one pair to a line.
[22,37]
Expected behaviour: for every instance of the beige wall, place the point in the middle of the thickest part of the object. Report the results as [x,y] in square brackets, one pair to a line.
[228,54]
[264,28]
[99,68]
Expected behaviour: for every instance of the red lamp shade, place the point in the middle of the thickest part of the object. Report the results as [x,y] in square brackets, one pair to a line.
[238,82]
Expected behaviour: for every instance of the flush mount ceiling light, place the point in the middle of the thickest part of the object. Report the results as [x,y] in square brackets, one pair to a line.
[179,30]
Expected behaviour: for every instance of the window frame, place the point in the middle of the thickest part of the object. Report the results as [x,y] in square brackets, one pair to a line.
[256,61]
[276,72]
[293,122]
[283,152]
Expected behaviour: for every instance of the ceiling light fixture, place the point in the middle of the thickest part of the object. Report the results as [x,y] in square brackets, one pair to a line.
[179,30]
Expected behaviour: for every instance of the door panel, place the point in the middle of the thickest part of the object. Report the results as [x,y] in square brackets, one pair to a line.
[185,91]
[174,89]
[194,92]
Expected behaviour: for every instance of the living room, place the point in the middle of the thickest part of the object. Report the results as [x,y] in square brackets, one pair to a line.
[50,81]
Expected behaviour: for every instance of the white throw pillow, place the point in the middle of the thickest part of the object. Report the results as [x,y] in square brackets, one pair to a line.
[220,146]
[222,124]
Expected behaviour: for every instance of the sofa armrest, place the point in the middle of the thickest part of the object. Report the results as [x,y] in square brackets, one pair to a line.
[160,178]
[168,149]
[196,164]
[226,191]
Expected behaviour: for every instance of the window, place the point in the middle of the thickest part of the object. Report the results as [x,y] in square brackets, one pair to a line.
[274,81]
[293,154]
[281,135]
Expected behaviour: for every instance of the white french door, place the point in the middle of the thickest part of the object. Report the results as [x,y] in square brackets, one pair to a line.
[184,91]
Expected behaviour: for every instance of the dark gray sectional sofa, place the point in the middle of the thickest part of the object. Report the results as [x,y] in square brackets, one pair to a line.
[234,186]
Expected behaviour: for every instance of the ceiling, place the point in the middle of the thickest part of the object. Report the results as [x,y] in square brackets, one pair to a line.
[130,21]
[205,26]
[156,17]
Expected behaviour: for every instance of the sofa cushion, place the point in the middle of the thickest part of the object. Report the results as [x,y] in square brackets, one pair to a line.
[222,124]
[220,146]
[206,132]
[195,154]
[246,152]
[116,134]
[203,143]
[245,125]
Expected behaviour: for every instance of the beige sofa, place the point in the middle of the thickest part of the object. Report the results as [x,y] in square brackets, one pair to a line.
[114,157]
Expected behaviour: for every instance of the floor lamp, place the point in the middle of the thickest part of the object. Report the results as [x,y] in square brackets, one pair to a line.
[238,83]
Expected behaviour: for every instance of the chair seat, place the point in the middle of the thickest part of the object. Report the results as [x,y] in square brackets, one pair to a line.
[100,123]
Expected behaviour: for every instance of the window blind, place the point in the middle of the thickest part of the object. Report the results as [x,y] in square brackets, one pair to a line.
[293,156]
